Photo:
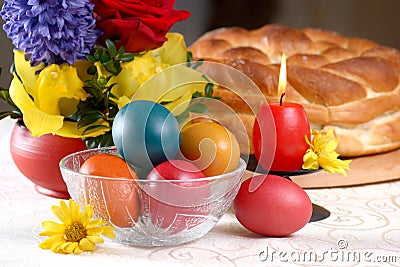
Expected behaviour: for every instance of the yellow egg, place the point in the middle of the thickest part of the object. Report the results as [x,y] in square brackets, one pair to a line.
[212,147]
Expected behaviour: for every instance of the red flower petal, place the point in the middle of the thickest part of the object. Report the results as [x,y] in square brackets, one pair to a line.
[138,25]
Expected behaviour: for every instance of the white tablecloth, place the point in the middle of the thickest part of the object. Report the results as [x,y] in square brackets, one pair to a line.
[363,230]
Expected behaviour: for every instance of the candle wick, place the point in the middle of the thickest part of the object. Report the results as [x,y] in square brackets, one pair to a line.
[280,101]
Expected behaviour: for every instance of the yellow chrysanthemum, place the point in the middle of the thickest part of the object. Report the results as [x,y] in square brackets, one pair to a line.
[77,232]
[322,153]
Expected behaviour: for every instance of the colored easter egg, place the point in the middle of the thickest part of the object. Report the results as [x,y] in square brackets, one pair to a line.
[146,133]
[212,147]
[181,203]
[278,207]
[111,197]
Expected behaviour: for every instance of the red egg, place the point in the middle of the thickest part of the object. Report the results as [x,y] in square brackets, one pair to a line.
[278,207]
[115,200]
[177,205]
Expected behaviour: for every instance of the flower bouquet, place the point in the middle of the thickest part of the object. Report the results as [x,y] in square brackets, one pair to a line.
[77,63]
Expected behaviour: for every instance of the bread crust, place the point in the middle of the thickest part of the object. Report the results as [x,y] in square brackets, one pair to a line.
[351,85]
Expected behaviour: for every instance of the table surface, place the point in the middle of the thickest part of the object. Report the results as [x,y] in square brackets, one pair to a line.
[363,230]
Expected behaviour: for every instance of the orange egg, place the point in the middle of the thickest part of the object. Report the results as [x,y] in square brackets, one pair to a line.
[115,200]
[107,165]
[212,147]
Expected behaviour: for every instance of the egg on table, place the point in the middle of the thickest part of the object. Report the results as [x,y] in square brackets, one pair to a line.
[277,207]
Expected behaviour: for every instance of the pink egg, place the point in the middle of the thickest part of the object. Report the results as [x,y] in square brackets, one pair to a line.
[278,207]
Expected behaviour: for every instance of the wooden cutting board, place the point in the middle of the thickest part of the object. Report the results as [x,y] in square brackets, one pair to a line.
[364,170]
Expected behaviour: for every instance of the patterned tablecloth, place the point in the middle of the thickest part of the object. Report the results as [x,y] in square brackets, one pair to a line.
[363,230]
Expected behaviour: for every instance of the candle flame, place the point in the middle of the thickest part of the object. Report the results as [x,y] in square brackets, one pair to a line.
[282,77]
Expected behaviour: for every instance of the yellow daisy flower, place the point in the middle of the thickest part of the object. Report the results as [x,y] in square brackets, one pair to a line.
[322,153]
[77,232]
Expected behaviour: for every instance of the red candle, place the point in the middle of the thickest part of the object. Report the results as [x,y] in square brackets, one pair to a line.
[279,132]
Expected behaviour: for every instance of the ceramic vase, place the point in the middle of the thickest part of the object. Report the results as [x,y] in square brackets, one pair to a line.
[37,158]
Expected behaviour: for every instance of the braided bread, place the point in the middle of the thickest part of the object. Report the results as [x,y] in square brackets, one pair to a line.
[348,84]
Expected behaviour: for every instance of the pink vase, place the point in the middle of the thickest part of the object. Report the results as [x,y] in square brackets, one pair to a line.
[37,158]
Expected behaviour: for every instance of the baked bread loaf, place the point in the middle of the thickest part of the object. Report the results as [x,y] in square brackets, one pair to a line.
[349,84]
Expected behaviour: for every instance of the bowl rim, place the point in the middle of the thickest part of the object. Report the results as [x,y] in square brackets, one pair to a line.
[241,167]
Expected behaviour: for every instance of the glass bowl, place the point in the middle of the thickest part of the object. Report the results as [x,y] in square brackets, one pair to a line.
[152,213]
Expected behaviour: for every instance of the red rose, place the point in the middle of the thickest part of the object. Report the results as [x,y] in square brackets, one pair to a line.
[138,25]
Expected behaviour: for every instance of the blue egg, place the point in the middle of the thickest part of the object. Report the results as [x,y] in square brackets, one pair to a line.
[146,134]
[117,129]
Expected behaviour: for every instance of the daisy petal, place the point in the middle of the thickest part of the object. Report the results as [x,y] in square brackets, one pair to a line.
[77,250]
[85,244]
[61,215]
[71,247]
[74,210]
[94,231]
[53,227]
[95,239]
[49,243]
[108,231]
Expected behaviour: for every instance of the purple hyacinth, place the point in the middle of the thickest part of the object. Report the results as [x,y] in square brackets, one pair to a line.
[50,31]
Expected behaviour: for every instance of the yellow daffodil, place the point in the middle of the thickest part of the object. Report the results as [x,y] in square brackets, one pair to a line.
[173,86]
[77,232]
[46,95]
[173,51]
[322,153]
[170,82]
[143,67]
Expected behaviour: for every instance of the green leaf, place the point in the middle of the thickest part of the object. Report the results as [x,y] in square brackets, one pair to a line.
[94,127]
[107,95]
[205,78]
[106,140]
[181,118]
[126,57]
[195,65]
[111,48]
[189,56]
[104,58]
[88,111]
[110,67]
[94,88]
[90,58]
[99,141]
[92,70]
[209,90]
[118,69]
[198,108]
[96,55]
[4,94]
[121,50]
[90,90]
[196,94]
[89,119]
